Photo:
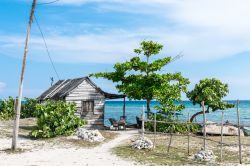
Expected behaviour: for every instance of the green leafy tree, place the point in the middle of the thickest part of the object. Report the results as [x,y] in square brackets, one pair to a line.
[139,78]
[211,91]
[170,93]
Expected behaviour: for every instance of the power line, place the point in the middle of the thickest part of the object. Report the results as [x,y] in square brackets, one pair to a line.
[47,3]
[47,50]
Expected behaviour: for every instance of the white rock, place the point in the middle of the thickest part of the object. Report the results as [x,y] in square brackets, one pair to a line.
[142,143]
[90,135]
[203,155]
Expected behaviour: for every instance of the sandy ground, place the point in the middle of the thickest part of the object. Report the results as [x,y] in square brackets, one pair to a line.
[46,154]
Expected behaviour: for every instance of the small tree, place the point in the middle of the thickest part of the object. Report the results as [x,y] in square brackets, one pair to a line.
[211,91]
[168,95]
[139,79]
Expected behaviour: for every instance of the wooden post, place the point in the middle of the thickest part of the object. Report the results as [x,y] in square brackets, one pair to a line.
[238,117]
[204,124]
[170,141]
[188,134]
[142,126]
[221,138]
[20,92]
[171,135]
[124,106]
[154,128]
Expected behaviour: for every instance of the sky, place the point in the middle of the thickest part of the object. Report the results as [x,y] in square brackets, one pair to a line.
[88,36]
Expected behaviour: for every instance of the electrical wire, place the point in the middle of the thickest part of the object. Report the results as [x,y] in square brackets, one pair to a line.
[47,50]
[47,3]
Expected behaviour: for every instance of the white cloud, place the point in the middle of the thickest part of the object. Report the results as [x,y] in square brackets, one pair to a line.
[2,86]
[117,45]
[204,30]
[103,48]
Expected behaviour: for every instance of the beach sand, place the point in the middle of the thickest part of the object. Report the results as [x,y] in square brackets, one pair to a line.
[46,153]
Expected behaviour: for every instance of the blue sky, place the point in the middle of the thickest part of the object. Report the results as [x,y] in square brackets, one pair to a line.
[86,36]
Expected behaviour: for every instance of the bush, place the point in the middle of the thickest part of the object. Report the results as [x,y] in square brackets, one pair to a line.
[56,118]
[168,128]
[7,109]
[28,108]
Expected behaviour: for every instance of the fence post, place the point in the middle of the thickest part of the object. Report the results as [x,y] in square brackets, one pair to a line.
[238,117]
[188,135]
[221,138]
[142,125]
[204,125]
[171,133]
[170,141]
[154,128]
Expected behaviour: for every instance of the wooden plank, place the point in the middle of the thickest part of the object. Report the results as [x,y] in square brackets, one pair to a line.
[87,95]
[77,98]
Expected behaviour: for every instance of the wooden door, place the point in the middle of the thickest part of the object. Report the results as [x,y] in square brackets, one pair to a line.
[87,107]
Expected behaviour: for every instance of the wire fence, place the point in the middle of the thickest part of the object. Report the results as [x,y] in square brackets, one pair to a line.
[204,137]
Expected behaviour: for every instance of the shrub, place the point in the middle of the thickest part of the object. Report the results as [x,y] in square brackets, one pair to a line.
[168,128]
[56,118]
[28,108]
[7,109]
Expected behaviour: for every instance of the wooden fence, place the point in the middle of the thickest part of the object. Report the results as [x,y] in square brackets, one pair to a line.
[204,137]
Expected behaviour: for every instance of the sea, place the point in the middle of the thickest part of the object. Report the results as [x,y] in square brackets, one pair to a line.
[114,109]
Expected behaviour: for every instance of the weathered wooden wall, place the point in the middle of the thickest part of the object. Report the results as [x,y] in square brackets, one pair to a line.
[86,92]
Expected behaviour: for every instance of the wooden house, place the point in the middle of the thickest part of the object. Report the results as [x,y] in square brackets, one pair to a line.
[87,96]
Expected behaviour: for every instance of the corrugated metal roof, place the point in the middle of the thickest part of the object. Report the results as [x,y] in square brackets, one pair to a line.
[61,88]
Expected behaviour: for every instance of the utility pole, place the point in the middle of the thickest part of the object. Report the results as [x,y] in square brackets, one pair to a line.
[20,92]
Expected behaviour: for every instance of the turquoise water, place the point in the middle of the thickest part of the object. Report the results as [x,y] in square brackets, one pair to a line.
[113,109]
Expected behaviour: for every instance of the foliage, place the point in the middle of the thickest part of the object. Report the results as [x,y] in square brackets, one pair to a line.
[211,91]
[56,118]
[170,92]
[7,109]
[170,127]
[28,108]
[140,79]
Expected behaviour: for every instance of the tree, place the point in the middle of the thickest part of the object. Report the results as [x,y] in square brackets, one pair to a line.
[138,78]
[170,93]
[211,91]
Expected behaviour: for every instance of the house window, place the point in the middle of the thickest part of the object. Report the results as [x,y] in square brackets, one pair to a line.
[87,106]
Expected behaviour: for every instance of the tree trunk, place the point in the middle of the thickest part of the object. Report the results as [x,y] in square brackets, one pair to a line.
[198,113]
[148,107]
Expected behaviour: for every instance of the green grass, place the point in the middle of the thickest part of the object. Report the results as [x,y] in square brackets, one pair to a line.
[178,154]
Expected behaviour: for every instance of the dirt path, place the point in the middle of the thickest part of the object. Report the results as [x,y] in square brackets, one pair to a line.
[46,156]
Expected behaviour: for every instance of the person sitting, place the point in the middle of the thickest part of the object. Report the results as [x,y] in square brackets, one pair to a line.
[122,123]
